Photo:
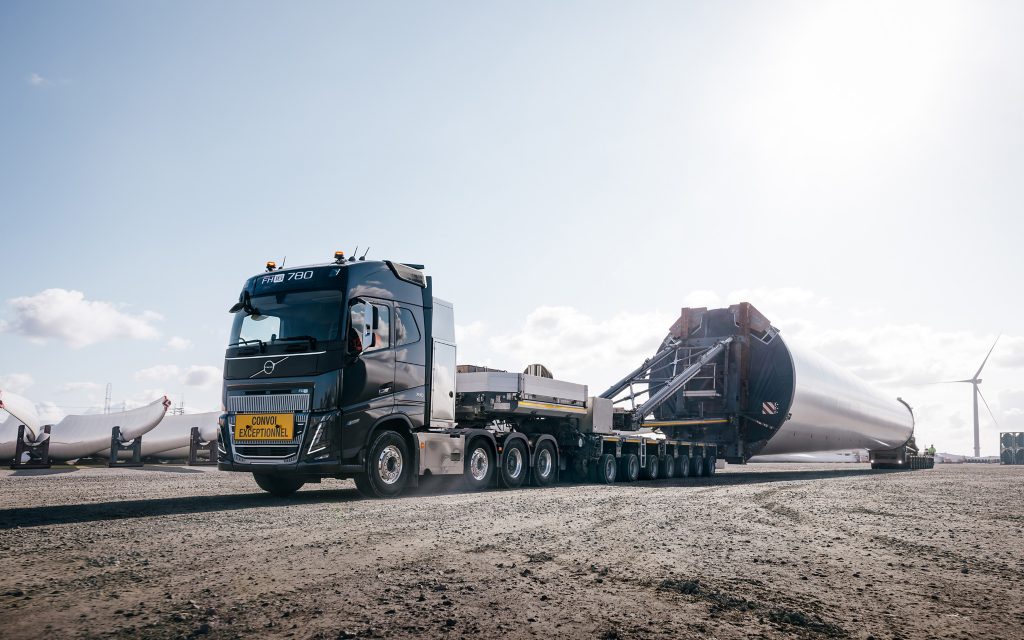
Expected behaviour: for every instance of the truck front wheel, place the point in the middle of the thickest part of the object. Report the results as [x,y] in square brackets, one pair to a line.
[387,467]
[277,485]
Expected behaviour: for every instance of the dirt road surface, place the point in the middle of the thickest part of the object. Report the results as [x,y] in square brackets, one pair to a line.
[762,551]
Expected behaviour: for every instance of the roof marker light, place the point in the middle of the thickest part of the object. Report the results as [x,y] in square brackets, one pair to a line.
[271,265]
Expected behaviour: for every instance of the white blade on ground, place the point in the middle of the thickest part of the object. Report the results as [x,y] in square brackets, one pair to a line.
[80,436]
[21,408]
[175,432]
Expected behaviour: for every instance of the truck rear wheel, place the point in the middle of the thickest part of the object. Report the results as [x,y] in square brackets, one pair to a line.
[709,466]
[629,468]
[387,467]
[696,466]
[544,461]
[650,472]
[668,466]
[277,485]
[683,467]
[606,468]
[514,464]
[479,465]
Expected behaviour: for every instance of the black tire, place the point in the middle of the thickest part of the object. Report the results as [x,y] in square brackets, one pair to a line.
[515,464]
[683,467]
[709,466]
[479,467]
[279,486]
[363,485]
[668,466]
[388,466]
[697,467]
[606,468]
[545,464]
[650,472]
[629,468]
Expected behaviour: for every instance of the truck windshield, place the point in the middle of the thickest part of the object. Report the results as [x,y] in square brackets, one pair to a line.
[314,316]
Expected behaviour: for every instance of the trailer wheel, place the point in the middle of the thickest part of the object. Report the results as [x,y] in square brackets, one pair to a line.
[387,467]
[697,467]
[544,461]
[514,464]
[709,466]
[479,470]
[277,485]
[683,467]
[668,466]
[629,468]
[606,468]
[650,472]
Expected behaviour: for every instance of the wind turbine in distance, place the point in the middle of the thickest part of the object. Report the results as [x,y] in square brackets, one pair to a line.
[975,382]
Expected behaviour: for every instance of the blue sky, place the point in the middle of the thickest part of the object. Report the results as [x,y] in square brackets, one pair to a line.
[564,169]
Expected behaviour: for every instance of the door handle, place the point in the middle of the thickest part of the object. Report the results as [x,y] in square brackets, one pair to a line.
[384,388]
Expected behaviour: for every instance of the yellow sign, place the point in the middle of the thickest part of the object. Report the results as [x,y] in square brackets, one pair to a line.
[264,426]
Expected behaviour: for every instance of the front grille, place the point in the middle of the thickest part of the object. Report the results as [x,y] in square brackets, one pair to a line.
[275,403]
[265,452]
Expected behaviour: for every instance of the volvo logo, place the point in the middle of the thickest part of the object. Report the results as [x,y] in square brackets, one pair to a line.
[268,367]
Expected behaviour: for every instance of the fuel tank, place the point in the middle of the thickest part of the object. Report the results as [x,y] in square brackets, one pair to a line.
[777,397]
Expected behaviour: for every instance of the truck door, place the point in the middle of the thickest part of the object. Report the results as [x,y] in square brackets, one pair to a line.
[368,383]
[410,362]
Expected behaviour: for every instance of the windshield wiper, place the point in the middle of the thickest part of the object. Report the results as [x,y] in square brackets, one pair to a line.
[311,339]
[242,342]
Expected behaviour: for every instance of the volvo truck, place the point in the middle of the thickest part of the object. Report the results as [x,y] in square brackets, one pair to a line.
[348,370]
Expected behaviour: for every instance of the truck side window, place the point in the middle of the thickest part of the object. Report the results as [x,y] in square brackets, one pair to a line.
[382,332]
[406,331]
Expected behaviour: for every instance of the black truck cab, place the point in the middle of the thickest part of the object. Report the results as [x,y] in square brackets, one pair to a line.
[323,357]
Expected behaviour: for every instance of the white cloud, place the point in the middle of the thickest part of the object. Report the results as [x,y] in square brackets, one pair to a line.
[49,413]
[469,331]
[16,382]
[68,316]
[73,387]
[37,80]
[179,344]
[571,344]
[702,298]
[1009,351]
[158,372]
[203,376]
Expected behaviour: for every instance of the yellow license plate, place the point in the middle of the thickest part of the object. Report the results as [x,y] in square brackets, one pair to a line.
[264,426]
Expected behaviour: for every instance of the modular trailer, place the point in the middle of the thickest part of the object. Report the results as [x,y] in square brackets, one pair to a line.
[348,370]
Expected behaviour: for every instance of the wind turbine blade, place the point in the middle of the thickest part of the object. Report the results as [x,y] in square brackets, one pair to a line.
[987,407]
[986,357]
[945,382]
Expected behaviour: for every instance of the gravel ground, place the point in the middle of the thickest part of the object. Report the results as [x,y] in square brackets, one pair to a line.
[764,551]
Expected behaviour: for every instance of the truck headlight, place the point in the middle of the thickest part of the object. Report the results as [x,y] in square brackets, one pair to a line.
[319,440]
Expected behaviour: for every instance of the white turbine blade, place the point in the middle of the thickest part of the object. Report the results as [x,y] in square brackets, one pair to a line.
[986,357]
[987,407]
